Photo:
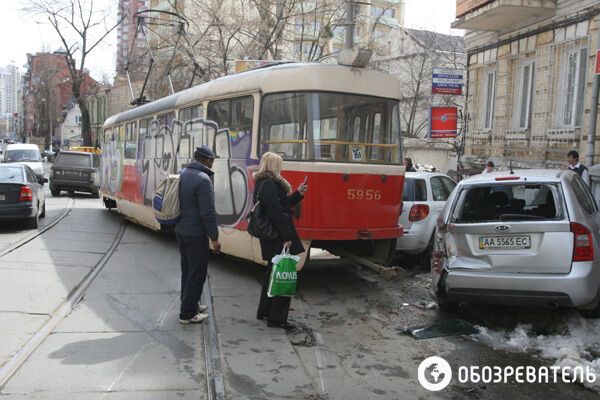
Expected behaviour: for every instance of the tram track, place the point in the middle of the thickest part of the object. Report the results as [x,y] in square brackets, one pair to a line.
[212,360]
[214,373]
[38,232]
[11,366]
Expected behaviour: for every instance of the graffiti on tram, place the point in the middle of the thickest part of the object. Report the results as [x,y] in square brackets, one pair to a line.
[166,146]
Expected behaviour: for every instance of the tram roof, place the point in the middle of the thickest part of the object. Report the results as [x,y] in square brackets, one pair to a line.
[277,78]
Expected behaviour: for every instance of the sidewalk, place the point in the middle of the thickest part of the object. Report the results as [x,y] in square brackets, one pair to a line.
[123,340]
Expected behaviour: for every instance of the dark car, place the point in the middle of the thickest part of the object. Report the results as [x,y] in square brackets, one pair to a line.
[21,194]
[75,171]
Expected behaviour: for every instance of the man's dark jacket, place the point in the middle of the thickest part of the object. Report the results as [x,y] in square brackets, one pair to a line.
[277,205]
[197,216]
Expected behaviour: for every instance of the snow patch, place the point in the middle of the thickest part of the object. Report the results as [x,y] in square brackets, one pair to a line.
[577,344]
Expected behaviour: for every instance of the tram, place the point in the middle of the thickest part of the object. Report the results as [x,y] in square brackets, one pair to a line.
[336,125]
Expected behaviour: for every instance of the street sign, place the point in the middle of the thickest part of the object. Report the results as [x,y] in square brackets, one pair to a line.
[598,62]
[447,81]
[442,122]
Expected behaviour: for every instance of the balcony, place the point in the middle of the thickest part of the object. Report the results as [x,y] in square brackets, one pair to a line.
[501,15]
[516,138]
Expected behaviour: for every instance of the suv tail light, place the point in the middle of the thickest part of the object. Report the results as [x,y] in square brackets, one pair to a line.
[26,194]
[583,245]
[418,212]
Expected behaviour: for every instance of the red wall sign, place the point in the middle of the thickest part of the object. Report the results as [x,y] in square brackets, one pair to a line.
[442,122]
[598,62]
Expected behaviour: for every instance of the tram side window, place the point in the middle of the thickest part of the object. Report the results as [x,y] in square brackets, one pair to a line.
[165,127]
[144,137]
[236,115]
[131,141]
[107,135]
[189,117]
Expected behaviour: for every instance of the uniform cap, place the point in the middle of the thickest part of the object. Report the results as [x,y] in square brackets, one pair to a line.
[204,151]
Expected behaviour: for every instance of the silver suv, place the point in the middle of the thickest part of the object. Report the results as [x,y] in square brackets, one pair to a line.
[528,238]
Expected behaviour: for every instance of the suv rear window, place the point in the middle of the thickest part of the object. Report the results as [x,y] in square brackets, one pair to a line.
[73,160]
[515,202]
[414,190]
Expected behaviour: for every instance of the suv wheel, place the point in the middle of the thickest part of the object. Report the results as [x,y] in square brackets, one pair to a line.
[55,192]
[96,194]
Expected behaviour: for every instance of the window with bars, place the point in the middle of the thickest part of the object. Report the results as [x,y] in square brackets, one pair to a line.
[490,95]
[575,71]
[526,95]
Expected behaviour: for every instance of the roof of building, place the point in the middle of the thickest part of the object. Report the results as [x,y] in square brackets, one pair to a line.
[438,41]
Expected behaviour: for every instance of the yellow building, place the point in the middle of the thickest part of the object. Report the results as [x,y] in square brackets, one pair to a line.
[530,75]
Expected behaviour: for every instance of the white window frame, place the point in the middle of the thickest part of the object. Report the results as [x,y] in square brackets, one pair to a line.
[525,103]
[490,99]
[571,114]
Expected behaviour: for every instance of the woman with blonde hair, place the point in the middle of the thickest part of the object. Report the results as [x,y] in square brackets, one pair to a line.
[277,200]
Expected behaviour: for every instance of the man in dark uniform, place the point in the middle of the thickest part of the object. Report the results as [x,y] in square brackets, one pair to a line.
[197,224]
[575,165]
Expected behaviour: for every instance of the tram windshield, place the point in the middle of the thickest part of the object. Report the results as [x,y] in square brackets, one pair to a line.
[331,127]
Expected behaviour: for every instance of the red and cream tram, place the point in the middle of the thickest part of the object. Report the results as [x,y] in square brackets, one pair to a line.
[337,125]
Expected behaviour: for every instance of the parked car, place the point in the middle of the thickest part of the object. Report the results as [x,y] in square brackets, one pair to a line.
[424,196]
[49,154]
[75,171]
[21,194]
[25,153]
[530,238]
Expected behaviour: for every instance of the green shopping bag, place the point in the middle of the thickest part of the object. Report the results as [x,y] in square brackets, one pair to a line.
[283,275]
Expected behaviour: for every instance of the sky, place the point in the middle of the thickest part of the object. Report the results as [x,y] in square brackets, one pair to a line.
[22,33]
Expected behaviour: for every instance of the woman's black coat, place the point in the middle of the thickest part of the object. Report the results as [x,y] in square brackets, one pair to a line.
[277,205]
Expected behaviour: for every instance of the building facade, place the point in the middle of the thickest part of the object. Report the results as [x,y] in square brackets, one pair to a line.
[9,86]
[47,94]
[127,29]
[530,74]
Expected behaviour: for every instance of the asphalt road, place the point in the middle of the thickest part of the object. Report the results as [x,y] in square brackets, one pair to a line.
[122,340]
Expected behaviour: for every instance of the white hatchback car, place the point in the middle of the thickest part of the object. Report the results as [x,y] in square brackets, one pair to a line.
[26,153]
[423,198]
[529,238]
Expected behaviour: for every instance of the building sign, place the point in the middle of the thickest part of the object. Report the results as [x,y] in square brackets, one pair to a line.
[442,122]
[598,62]
[466,6]
[447,81]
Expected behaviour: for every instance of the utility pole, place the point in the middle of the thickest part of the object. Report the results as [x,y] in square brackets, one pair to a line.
[349,44]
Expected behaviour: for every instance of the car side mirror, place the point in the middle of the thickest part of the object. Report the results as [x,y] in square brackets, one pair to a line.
[44,180]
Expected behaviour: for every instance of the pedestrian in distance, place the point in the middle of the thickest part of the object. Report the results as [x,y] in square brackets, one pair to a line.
[408,164]
[196,226]
[276,198]
[580,169]
[489,167]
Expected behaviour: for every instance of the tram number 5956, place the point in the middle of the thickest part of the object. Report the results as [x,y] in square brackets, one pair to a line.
[360,194]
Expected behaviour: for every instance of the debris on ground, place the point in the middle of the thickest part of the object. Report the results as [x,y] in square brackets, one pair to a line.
[449,327]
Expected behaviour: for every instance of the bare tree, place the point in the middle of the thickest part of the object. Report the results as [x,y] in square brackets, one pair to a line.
[81,27]
[424,51]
